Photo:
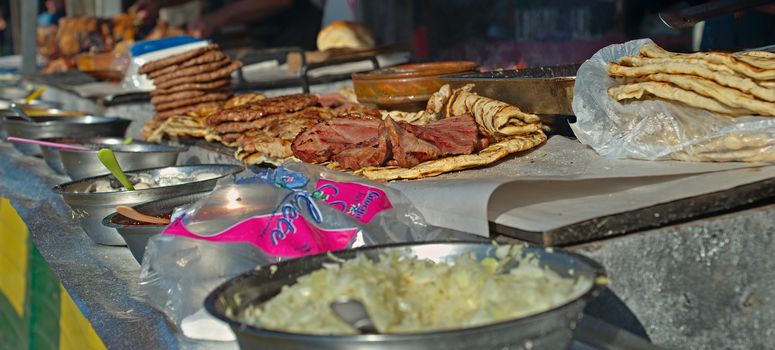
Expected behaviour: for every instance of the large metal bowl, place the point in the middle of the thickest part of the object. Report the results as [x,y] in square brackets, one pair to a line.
[82,164]
[136,234]
[61,126]
[552,329]
[90,208]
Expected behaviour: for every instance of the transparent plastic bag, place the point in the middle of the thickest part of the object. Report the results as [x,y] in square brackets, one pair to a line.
[282,213]
[658,129]
[150,50]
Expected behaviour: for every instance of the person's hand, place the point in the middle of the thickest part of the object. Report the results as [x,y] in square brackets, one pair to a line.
[147,10]
[204,26]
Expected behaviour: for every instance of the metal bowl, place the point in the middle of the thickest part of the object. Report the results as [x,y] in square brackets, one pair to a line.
[51,154]
[58,126]
[82,164]
[552,329]
[136,234]
[14,92]
[90,208]
[34,108]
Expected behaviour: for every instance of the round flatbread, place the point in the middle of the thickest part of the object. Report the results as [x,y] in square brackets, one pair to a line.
[440,166]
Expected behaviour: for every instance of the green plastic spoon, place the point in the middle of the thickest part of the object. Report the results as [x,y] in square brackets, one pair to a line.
[108,159]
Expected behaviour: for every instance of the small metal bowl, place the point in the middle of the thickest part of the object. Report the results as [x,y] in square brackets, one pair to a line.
[82,164]
[135,233]
[90,208]
[551,329]
[51,154]
[60,126]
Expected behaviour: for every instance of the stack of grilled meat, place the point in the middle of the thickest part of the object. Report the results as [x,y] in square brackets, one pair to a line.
[191,81]
[263,130]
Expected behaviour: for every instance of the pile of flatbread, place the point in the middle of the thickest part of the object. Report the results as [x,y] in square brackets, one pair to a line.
[740,84]
[190,81]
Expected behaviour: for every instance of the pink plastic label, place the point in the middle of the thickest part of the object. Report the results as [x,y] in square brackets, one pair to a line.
[285,234]
[360,201]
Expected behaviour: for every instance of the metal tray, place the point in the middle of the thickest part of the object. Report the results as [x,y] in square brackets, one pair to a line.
[540,90]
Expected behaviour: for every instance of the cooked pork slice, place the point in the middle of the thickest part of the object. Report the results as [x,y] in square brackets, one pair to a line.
[409,150]
[374,152]
[453,136]
[322,141]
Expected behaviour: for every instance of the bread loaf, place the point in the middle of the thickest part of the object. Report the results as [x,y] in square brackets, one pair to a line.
[345,35]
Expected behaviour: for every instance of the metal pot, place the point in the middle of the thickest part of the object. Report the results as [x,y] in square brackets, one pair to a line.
[136,234]
[552,329]
[90,208]
[59,126]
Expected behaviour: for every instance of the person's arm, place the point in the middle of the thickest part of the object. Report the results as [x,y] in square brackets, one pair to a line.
[149,9]
[238,12]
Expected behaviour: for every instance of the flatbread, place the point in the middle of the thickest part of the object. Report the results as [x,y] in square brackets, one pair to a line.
[671,92]
[725,95]
[191,71]
[168,61]
[499,119]
[637,61]
[437,167]
[207,85]
[735,63]
[251,158]
[200,78]
[761,54]
[743,84]
[192,101]
[417,118]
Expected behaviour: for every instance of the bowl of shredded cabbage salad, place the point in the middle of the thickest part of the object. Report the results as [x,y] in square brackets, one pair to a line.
[460,294]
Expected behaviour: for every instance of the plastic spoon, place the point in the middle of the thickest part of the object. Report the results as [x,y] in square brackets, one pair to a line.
[108,159]
[138,216]
[353,312]
[34,95]
[49,144]
[19,111]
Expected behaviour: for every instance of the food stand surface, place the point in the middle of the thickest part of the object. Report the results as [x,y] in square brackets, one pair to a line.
[102,280]
[672,280]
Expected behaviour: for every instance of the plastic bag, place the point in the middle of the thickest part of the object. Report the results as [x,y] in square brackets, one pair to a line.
[149,50]
[283,213]
[658,129]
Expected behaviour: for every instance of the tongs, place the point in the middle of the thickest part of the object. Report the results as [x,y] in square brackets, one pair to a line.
[690,16]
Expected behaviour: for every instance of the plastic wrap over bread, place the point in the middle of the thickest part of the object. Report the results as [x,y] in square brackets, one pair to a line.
[636,100]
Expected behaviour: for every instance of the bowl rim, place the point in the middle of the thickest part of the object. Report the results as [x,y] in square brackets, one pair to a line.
[209,303]
[58,189]
[169,148]
[64,120]
[417,70]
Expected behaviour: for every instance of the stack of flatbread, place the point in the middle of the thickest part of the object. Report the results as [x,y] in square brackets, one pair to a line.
[724,83]
[198,79]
